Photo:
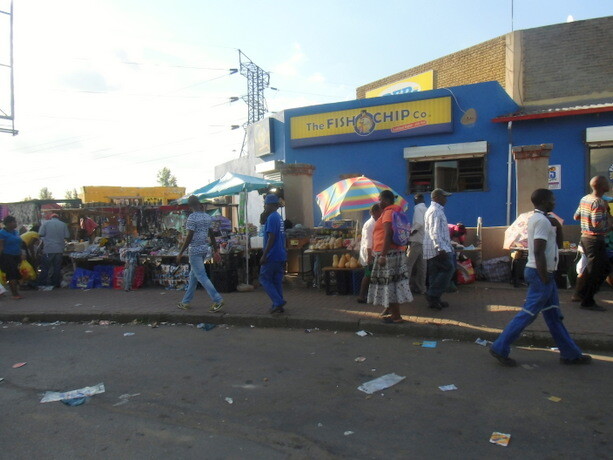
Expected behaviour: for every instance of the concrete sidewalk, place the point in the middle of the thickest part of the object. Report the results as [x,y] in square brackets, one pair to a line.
[478,310]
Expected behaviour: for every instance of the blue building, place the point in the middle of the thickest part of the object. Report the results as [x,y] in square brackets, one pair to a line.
[459,139]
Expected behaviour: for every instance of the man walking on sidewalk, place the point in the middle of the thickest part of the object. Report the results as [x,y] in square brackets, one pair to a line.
[544,239]
[274,256]
[54,233]
[593,213]
[415,252]
[438,251]
[200,239]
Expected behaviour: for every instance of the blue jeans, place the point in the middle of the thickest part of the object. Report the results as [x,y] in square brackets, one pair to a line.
[197,274]
[541,297]
[440,272]
[271,277]
[51,270]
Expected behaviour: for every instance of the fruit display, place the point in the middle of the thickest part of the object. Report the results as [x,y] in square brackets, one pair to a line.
[344,261]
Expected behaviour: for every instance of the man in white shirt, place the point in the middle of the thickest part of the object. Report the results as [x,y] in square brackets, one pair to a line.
[415,252]
[366,254]
[438,251]
[544,239]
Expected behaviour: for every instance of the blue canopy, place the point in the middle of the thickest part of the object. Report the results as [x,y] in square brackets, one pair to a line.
[230,184]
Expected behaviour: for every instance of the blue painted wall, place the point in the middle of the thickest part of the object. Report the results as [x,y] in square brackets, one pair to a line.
[567,134]
[383,160]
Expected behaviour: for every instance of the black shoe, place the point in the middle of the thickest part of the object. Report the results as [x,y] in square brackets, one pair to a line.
[583,359]
[593,307]
[435,305]
[507,362]
[444,304]
[576,298]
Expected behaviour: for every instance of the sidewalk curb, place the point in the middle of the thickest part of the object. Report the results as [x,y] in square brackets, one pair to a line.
[589,342]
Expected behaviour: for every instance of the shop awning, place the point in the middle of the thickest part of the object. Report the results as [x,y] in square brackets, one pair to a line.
[231,184]
[552,112]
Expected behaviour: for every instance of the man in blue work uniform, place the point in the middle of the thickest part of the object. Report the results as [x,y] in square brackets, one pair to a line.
[274,256]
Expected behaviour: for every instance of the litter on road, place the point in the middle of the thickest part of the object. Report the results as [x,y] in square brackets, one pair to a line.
[554,399]
[75,401]
[348,433]
[206,326]
[229,400]
[128,334]
[360,359]
[18,365]
[380,383]
[363,333]
[483,342]
[123,399]
[448,387]
[500,439]
[52,396]
[429,344]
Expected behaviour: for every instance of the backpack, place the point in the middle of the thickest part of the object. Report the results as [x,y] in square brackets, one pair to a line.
[401,228]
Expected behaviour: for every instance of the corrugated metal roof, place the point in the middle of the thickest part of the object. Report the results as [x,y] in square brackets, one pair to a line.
[555,111]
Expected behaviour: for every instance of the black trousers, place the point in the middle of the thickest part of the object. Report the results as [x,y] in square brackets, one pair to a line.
[596,271]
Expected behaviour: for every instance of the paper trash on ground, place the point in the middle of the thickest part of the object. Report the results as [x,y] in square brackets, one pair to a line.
[500,439]
[51,396]
[554,399]
[448,387]
[429,344]
[229,400]
[482,342]
[363,333]
[380,383]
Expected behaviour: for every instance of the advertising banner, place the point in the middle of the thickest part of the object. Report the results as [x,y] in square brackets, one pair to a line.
[422,82]
[376,122]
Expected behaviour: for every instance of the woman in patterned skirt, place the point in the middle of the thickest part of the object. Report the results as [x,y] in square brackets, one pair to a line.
[389,282]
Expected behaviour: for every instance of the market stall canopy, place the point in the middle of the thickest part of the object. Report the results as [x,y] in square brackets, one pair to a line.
[355,194]
[516,236]
[231,184]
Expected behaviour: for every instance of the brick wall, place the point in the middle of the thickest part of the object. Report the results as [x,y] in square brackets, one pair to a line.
[568,60]
[479,63]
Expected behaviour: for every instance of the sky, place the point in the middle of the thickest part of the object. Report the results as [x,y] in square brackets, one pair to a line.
[108,92]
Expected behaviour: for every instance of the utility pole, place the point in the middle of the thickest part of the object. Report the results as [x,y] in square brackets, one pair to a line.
[7,113]
[257,81]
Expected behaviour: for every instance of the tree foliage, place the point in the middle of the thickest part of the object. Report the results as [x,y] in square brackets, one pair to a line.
[45,194]
[166,179]
[72,194]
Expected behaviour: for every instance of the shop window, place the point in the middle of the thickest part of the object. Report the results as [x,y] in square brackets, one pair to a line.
[460,175]
[601,164]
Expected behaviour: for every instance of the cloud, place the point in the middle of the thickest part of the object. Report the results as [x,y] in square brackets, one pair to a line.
[317,77]
[291,67]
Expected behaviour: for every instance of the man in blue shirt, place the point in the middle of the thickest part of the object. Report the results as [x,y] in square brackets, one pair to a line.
[272,263]
[10,254]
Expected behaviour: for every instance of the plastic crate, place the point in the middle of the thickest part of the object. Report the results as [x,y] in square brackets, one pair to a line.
[224,280]
[356,280]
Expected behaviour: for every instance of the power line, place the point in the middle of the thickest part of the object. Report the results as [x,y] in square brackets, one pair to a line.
[135,63]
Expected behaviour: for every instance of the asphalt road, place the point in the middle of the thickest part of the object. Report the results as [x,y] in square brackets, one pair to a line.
[294,395]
